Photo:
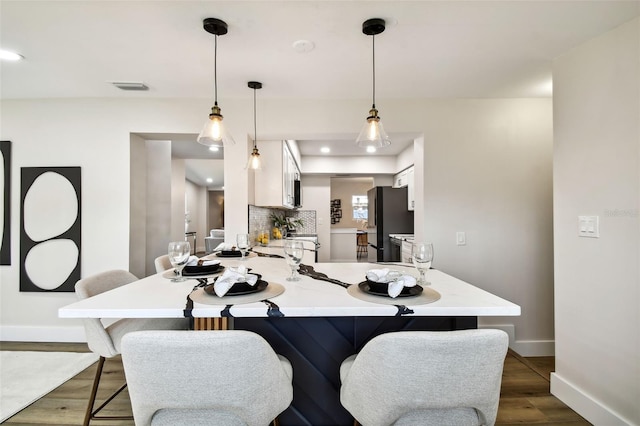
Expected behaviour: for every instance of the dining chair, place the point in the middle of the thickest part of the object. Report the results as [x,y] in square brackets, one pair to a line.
[105,340]
[162,263]
[426,378]
[363,244]
[197,378]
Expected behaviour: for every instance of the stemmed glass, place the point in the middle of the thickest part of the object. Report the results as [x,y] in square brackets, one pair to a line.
[179,252]
[293,250]
[422,256]
[242,241]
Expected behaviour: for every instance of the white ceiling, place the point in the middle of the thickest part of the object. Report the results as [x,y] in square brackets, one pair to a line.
[430,49]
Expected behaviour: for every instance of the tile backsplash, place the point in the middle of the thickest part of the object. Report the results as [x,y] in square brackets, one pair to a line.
[259,220]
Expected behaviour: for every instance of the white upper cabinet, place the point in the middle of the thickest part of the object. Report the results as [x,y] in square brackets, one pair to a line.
[275,183]
[400,179]
[405,178]
[411,200]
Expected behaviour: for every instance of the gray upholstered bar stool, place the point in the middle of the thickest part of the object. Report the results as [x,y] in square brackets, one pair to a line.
[198,378]
[105,341]
[162,263]
[426,378]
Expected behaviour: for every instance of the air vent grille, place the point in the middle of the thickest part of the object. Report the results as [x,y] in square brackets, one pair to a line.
[130,86]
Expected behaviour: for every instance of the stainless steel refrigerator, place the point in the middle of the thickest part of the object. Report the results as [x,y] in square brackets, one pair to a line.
[387,214]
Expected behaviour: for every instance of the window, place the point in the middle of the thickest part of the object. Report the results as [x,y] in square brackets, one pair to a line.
[359,204]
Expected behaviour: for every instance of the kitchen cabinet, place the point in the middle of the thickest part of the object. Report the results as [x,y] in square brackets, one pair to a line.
[411,200]
[400,179]
[406,178]
[275,182]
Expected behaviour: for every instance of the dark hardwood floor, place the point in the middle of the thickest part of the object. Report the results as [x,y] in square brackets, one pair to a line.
[524,397]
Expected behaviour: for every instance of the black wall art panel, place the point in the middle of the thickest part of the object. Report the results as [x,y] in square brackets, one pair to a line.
[5,241]
[50,223]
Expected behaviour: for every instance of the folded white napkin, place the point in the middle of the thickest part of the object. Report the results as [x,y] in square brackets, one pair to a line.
[193,261]
[232,276]
[224,246]
[397,281]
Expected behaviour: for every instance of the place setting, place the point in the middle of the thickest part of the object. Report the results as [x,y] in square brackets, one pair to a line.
[187,266]
[236,286]
[240,250]
[389,286]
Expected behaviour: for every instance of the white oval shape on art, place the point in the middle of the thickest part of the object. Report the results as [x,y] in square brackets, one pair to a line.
[50,207]
[49,264]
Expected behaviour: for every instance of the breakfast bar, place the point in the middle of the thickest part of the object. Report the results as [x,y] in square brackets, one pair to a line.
[316,323]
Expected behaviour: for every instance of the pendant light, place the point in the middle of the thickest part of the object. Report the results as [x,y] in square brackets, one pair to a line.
[214,133]
[373,133]
[254,162]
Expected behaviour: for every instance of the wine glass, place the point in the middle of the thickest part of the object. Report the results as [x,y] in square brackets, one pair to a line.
[293,250]
[179,252]
[422,256]
[242,241]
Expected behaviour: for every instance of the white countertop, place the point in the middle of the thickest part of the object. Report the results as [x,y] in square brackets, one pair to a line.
[158,297]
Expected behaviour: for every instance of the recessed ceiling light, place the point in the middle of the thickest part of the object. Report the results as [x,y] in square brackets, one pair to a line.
[303,46]
[209,180]
[214,148]
[371,149]
[10,56]
[325,150]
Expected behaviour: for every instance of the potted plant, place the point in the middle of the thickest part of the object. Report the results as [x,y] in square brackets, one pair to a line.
[283,225]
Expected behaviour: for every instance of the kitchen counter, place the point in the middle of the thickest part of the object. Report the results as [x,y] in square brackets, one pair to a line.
[157,297]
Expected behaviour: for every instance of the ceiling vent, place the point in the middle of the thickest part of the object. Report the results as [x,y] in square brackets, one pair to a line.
[130,86]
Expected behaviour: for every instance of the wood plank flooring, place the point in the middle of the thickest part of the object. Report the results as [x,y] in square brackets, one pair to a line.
[524,397]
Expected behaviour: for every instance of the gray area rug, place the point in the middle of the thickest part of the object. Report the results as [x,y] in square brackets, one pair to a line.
[27,376]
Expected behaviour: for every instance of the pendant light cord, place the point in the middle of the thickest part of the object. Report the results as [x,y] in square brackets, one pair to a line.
[373,37]
[215,70]
[255,132]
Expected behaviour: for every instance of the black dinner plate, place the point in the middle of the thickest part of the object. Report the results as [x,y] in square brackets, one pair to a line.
[239,288]
[202,270]
[382,289]
[229,253]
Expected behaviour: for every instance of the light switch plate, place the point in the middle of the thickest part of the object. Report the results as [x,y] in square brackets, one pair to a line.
[461,239]
[589,226]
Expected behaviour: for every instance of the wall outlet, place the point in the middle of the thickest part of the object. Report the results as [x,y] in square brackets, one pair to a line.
[589,226]
[461,239]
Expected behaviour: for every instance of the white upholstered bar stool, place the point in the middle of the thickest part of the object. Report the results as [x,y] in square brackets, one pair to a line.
[198,378]
[105,341]
[162,263]
[426,378]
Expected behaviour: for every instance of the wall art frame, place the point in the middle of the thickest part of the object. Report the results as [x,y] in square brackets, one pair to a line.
[5,242]
[50,228]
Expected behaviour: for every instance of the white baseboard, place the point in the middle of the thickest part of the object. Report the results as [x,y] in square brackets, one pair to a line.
[582,403]
[524,347]
[73,334]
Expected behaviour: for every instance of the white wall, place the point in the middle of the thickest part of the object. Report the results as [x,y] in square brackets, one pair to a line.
[465,142]
[158,201]
[597,281]
[138,200]
[316,193]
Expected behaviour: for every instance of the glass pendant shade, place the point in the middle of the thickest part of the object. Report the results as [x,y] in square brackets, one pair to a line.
[254,162]
[214,133]
[372,133]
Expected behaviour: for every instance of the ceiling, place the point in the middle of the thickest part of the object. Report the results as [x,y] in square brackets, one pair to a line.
[430,49]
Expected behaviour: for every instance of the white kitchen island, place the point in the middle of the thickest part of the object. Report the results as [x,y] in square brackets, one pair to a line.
[315,324]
